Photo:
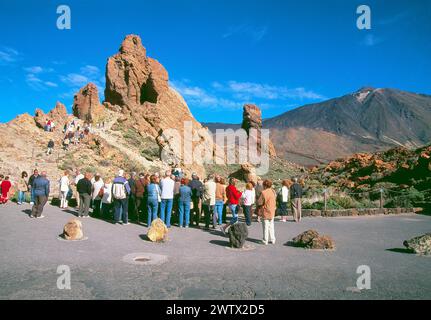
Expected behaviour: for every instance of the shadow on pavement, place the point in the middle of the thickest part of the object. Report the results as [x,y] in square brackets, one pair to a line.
[27,211]
[220,243]
[401,250]
[292,244]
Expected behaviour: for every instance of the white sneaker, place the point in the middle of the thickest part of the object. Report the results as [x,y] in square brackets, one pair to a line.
[41,217]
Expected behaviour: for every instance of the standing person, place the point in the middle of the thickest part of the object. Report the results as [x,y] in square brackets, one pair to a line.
[78,176]
[267,206]
[132,198]
[120,193]
[197,188]
[84,189]
[184,200]
[41,187]
[30,185]
[296,194]
[175,207]
[220,199]
[1,180]
[153,195]
[258,191]
[107,198]
[50,147]
[66,143]
[167,195]
[64,189]
[283,200]
[140,186]
[233,196]
[209,200]
[97,194]
[247,200]
[22,187]
[6,185]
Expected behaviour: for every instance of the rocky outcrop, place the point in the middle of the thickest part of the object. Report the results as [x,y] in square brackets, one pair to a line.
[252,119]
[238,233]
[246,173]
[419,245]
[86,104]
[73,230]
[158,231]
[311,239]
[138,86]
[58,115]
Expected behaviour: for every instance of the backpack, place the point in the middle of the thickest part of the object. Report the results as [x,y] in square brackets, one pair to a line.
[119,191]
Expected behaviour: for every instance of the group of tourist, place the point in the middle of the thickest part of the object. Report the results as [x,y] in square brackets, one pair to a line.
[161,196]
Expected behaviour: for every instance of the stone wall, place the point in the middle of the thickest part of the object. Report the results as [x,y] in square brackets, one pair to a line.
[356,212]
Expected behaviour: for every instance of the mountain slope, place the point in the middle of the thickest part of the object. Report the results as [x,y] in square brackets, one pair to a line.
[365,121]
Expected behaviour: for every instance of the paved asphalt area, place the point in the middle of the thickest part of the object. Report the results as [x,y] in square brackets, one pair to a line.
[199,264]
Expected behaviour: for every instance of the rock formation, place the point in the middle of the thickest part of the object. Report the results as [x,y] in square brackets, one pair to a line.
[86,104]
[158,231]
[139,86]
[252,119]
[58,115]
[73,230]
[311,239]
[246,173]
[238,233]
[419,245]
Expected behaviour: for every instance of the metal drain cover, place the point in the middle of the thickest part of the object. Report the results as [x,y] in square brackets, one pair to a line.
[146,259]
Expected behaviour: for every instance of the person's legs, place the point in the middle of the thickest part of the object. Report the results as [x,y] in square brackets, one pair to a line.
[196,210]
[20,197]
[169,203]
[87,201]
[162,209]
[81,205]
[32,196]
[294,210]
[124,206]
[207,213]
[42,202]
[181,208]
[233,209]
[271,231]
[150,213]
[299,206]
[96,207]
[219,211]
[117,213]
[265,225]
[187,213]
[76,196]
[247,215]
[34,209]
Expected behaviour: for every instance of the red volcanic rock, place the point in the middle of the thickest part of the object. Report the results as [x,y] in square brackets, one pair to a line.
[252,119]
[139,87]
[58,115]
[86,104]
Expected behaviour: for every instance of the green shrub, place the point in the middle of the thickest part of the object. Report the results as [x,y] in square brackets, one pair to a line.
[404,199]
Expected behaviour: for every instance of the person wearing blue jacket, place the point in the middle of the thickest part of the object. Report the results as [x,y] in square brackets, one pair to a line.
[153,198]
[41,188]
[120,194]
[184,203]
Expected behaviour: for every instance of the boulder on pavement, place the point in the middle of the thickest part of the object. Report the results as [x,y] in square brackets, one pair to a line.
[158,231]
[420,245]
[311,239]
[73,230]
[238,233]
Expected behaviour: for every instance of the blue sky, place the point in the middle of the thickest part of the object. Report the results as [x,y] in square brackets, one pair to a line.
[279,54]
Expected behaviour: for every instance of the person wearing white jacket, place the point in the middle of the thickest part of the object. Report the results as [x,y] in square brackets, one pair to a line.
[107,198]
[64,190]
[248,199]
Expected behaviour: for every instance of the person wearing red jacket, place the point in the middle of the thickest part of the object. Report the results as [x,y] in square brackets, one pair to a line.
[233,196]
[5,188]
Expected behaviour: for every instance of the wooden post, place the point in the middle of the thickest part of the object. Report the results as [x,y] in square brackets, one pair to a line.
[381,198]
[325,197]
